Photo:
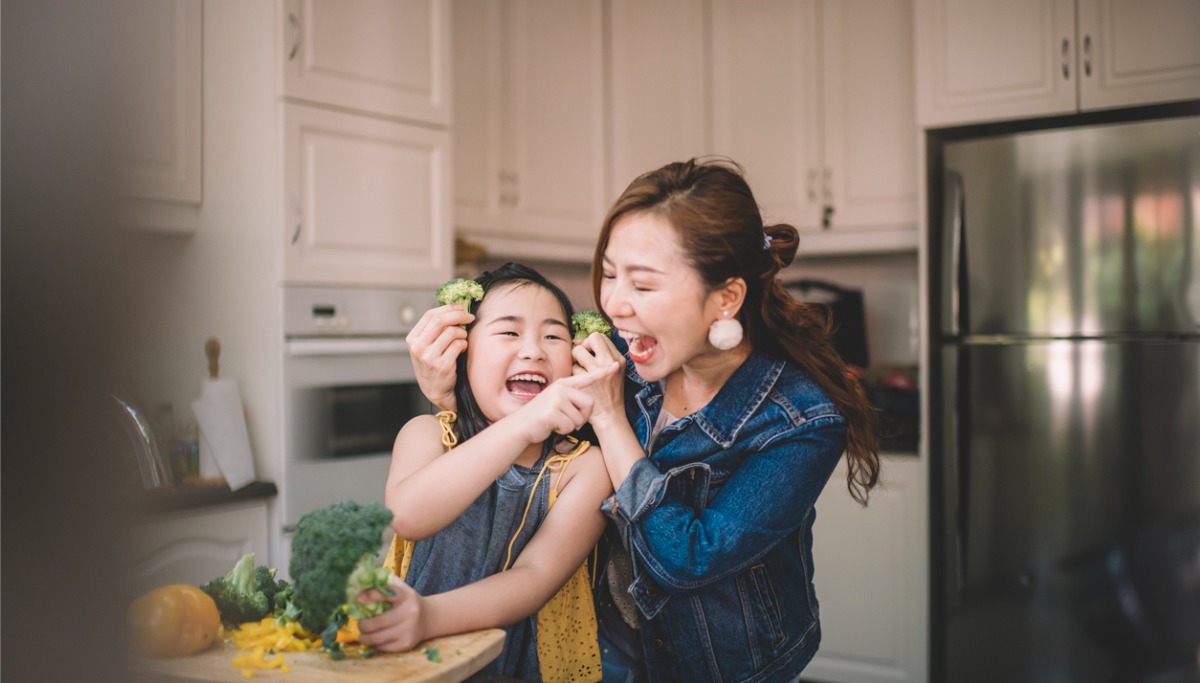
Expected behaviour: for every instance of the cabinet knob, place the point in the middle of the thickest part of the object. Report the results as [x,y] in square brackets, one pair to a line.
[827,217]
[1087,55]
[1066,58]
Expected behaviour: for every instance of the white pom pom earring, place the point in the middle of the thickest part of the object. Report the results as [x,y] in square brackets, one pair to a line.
[725,333]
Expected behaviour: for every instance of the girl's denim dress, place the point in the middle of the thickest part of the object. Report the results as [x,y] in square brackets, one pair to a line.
[718,523]
[474,547]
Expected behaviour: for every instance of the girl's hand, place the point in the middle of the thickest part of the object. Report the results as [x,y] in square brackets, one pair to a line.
[562,407]
[402,627]
[434,345]
[608,397]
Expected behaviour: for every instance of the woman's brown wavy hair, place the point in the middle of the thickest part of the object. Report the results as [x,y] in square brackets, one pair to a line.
[710,205]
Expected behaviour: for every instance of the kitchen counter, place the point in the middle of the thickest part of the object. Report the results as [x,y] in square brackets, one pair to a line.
[179,498]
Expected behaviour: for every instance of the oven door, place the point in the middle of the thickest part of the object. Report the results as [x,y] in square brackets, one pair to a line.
[345,400]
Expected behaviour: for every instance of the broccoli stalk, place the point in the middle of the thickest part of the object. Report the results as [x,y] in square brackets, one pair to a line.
[245,593]
[460,291]
[327,547]
[584,323]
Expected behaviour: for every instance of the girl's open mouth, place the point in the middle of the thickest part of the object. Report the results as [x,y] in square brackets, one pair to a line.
[525,385]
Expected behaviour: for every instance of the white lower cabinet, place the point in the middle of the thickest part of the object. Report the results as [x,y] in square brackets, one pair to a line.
[197,545]
[870,575]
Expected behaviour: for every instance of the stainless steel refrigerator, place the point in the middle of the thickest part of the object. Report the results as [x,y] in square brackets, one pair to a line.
[1065,330]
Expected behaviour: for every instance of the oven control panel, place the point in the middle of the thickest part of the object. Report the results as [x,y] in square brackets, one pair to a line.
[336,311]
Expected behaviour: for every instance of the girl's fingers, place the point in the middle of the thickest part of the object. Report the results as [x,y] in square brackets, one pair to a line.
[584,380]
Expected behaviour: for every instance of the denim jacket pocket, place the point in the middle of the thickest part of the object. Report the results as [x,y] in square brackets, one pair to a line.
[768,603]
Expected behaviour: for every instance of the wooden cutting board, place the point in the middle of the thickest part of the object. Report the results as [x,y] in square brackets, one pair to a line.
[462,655]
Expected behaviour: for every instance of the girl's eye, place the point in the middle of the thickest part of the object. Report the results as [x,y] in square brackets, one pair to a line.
[607,275]
[555,337]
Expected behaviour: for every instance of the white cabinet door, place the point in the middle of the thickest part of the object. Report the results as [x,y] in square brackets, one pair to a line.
[542,193]
[196,546]
[815,100]
[981,60]
[767,102]
[870,575]
[660,90]
[870,119]
[1138,53]
[387,57]
[366,201]
[157,101]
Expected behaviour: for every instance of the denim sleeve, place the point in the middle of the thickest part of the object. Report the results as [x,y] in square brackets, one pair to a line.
[764,501]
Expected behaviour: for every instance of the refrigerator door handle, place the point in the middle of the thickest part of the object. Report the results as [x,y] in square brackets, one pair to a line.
[954,256]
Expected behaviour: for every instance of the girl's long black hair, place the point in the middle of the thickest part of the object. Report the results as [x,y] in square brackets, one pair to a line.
[471,419]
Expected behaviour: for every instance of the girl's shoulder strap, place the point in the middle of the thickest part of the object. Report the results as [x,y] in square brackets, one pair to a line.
[446,419]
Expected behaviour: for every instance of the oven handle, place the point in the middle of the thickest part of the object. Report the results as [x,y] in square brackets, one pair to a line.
[345,347]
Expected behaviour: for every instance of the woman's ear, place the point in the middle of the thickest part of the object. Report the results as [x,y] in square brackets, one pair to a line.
[729,296]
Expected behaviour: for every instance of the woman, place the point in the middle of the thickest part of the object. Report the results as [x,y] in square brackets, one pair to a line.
[736,413]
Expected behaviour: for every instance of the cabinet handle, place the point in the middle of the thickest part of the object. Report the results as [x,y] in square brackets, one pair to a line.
[812,184]
[1066,58]
[827,217]
[299,219]
[295,35]
[827,185]
[1087,55]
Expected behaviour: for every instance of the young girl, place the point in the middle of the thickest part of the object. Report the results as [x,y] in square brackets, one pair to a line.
[499,508]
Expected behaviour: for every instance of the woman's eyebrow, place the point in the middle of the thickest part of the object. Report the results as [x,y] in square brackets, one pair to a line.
[636,267]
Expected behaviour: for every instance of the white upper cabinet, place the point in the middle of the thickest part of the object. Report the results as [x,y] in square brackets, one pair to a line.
[1138,53]
[979,60]
[366,200]
[158,109]
[815,99]
[366,142]
[388,57]
[660,93]
[529,125]
[767,103]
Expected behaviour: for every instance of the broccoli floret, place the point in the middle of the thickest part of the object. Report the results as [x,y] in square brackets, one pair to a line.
[367,574]
[283,606]
[460,291]
[328,545]
[239,594]
[584,323]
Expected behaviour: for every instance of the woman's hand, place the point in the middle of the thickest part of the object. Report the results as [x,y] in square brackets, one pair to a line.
[434,345]
[402,627]
[608,397]
[562,407]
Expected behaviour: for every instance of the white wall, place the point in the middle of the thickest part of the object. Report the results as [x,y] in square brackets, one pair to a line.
[224,279]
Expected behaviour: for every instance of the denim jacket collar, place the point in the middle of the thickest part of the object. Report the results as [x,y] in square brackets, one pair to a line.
[735,402]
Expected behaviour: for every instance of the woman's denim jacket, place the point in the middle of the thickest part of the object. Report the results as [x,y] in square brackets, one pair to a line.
[719,521]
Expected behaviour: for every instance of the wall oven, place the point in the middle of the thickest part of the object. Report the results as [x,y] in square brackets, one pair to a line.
[348,388]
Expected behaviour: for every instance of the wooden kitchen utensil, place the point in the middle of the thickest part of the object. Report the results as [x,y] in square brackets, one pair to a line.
[212,349]
[461,655]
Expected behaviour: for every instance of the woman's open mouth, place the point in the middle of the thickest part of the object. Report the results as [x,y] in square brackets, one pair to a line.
[525,385]
[641,346]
